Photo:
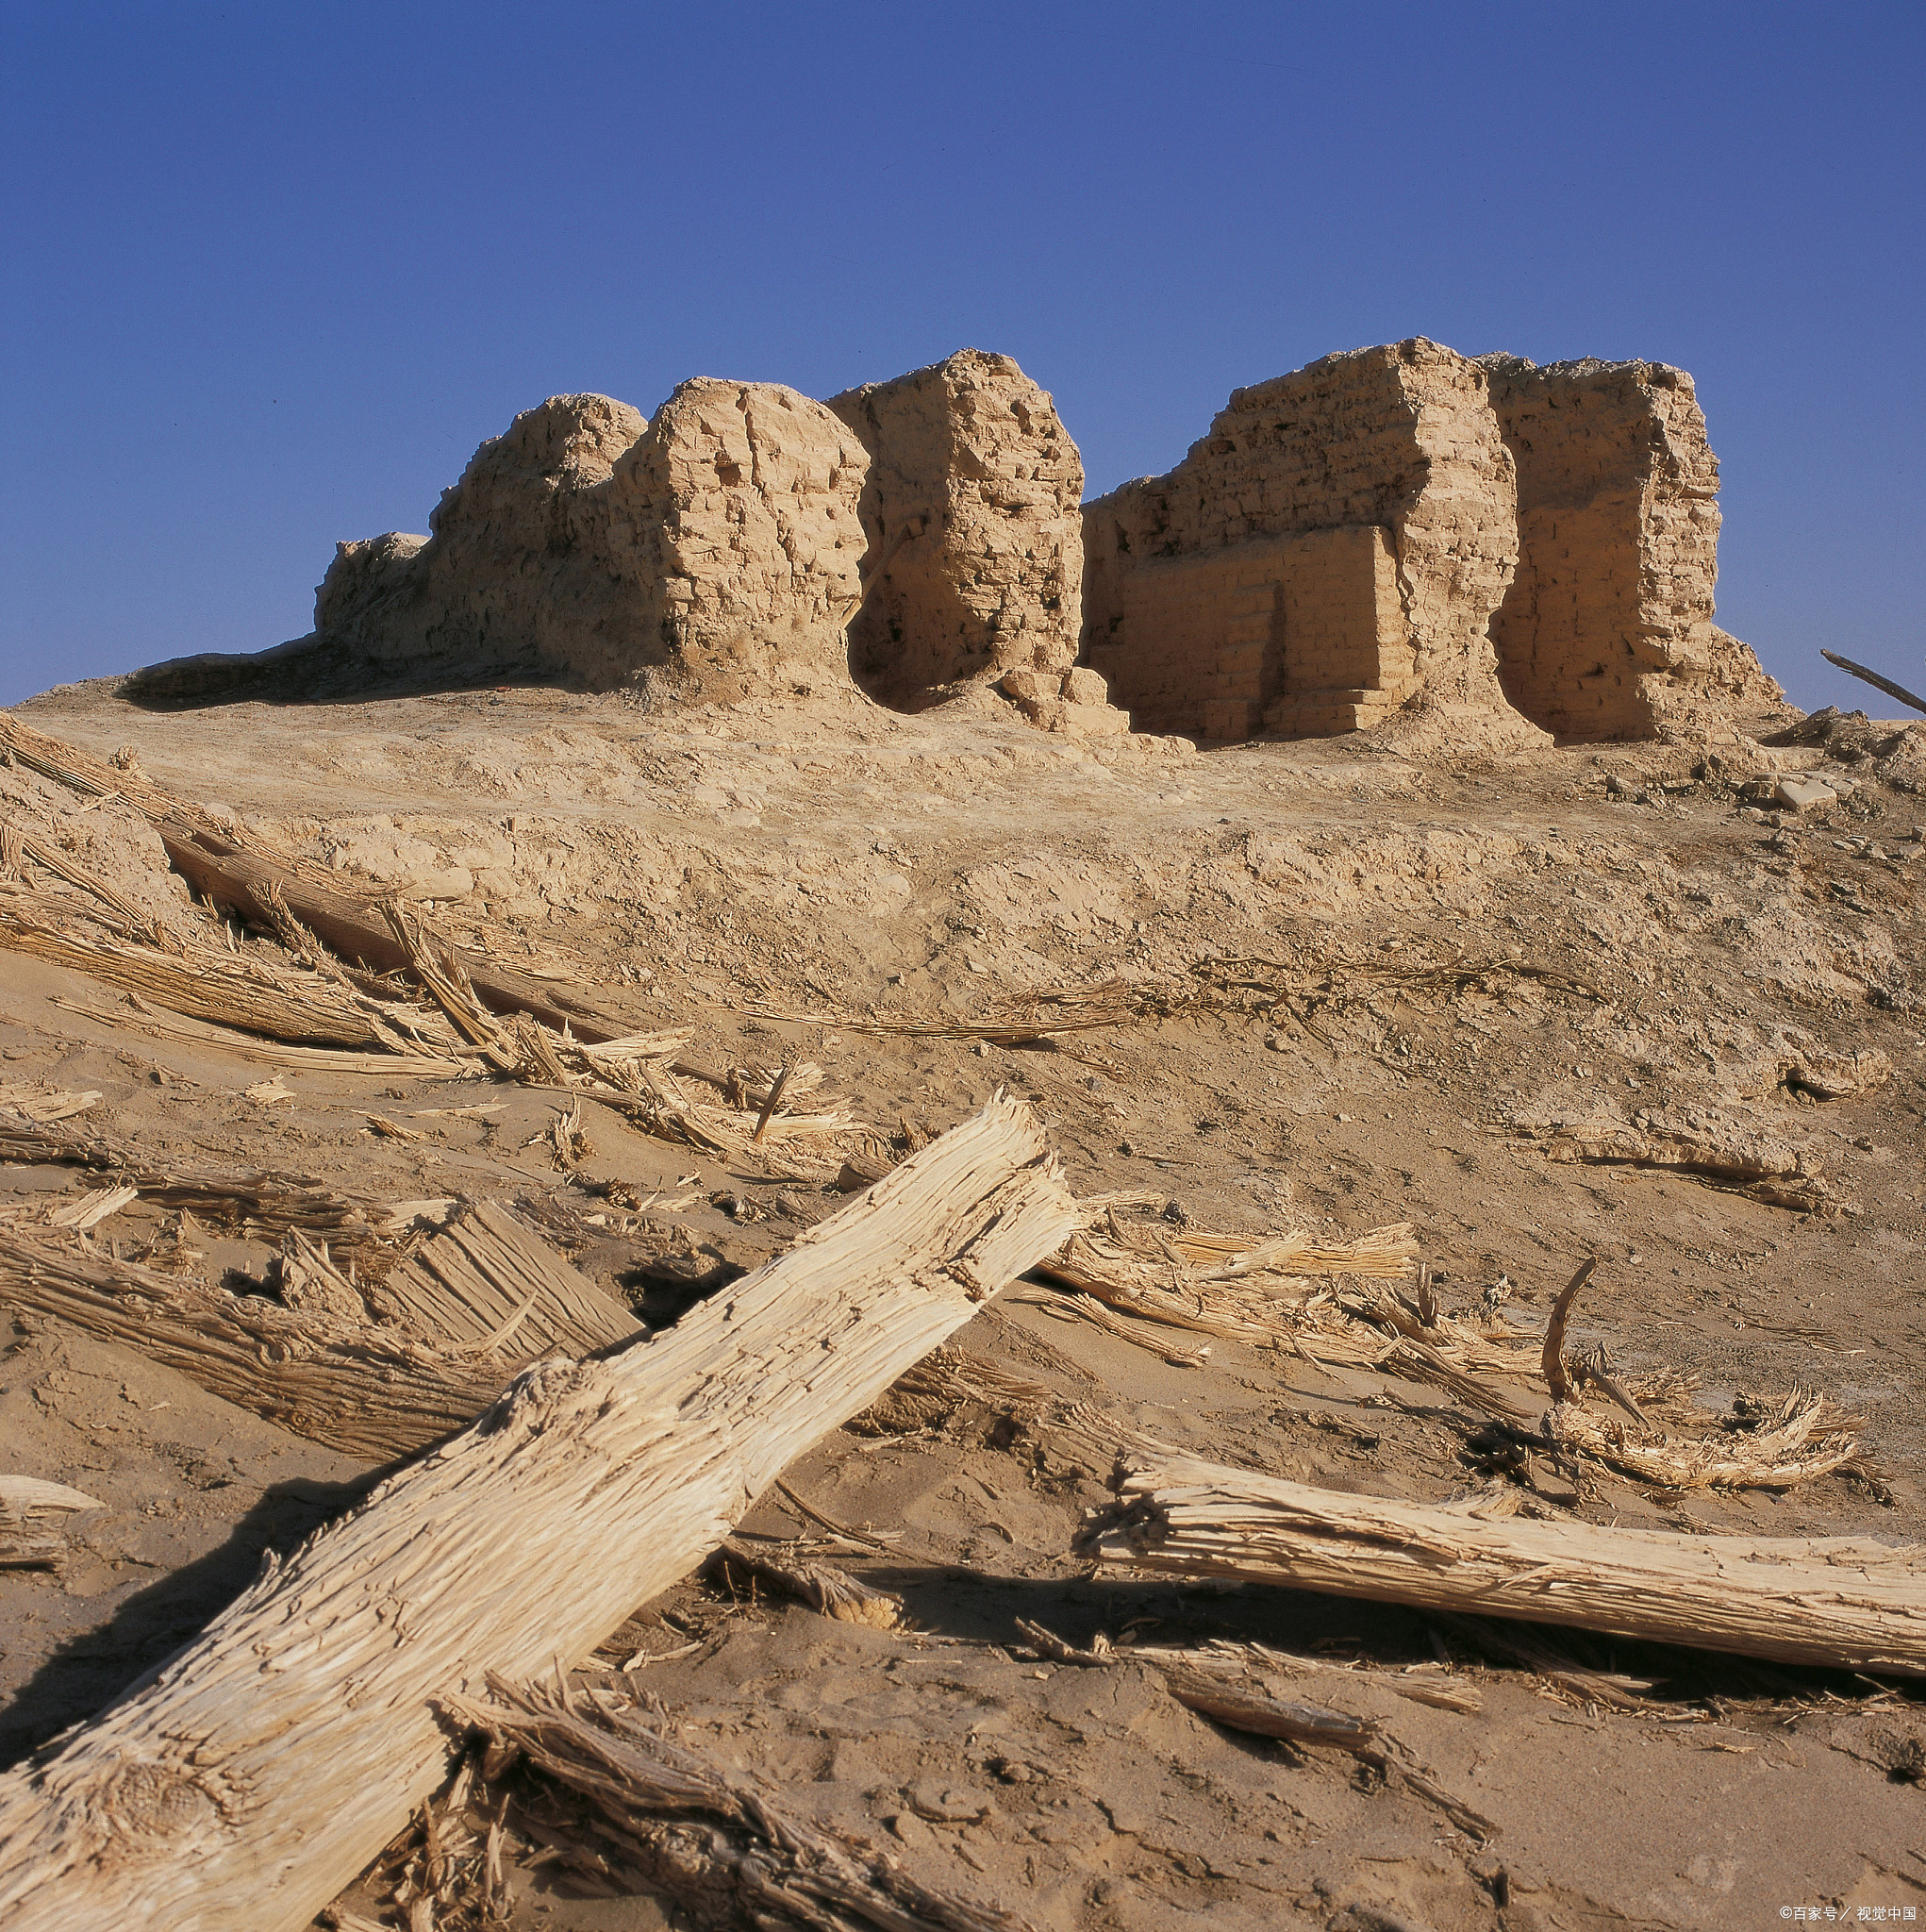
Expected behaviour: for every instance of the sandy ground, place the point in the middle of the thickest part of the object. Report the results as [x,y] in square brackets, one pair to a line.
[722,869]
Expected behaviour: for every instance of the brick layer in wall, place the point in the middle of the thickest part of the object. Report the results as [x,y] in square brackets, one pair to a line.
[1296,628]
[1399,440]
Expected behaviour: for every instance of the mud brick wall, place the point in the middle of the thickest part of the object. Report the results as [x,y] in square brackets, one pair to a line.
[1610,613]
[1228,634]
[719,539]
[1400,439]
[740,506]
[1343,624]
[972,514]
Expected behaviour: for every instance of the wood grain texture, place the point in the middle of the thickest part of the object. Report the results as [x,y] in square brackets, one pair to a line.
[260,1769]
[1846,1602]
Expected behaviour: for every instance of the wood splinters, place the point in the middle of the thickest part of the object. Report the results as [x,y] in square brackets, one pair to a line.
[766,1860]
[1557,1376]
[494,1547]
[829,1592]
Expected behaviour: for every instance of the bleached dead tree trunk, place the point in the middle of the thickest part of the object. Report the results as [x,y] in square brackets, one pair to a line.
[261,1768]
[1848,1604]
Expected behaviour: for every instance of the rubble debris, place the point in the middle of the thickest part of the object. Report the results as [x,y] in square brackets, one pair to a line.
[972,513]
[1832,1602]
[205,984]
[750,1850]
[1606,630]
[1077,702]
[361,931]
[653,1452]
[1333,549]
[1804,794]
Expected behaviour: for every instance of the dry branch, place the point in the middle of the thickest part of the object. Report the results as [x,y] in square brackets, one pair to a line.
[1848,1605]
[1803,1443]
[1873,679]
[267,1762]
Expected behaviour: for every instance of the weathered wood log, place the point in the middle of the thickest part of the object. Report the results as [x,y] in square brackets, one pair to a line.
[246,883]
[28,1539]
[1873,679]
[373,1394]
[1834,1601]
[260,1769]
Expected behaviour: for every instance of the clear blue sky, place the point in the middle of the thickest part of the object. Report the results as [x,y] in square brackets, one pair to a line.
[271,271]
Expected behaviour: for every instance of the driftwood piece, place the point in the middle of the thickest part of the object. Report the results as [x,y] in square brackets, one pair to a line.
[487,1282]
[28,1540]
[1834,1602]
[1873,679]
[751,1853]
[362,1391]
[268,1762]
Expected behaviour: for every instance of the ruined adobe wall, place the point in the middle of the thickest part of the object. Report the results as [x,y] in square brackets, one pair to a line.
[1607,630]
[1399,440]
[503,582]
[739,509]
[972,514]
[719,539]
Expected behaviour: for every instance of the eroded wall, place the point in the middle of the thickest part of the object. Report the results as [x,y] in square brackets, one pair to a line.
[718,540]
[1607,628]
[1388,467]
[972,514]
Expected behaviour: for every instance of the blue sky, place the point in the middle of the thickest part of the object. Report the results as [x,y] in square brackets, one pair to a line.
[271,272]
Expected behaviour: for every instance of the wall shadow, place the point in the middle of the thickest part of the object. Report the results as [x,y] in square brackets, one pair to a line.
[315,671]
